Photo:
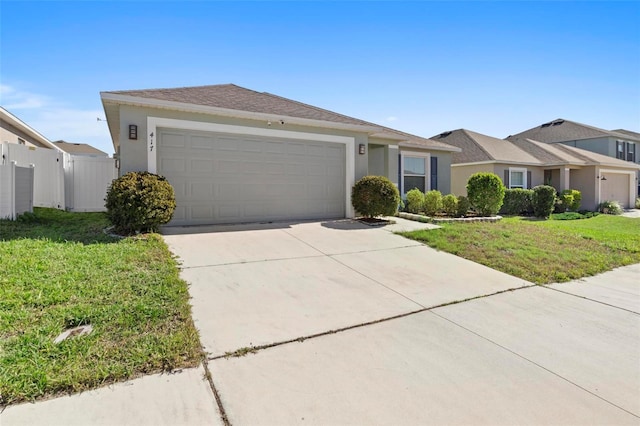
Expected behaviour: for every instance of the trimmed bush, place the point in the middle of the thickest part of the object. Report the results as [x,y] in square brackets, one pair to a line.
[415,201]
[374,196]
[486,193]
[517,201]
[140,202]
[543,200]
[570,200]
[637,203]
[463,206]
[450,205]
[432,202]
[610,207]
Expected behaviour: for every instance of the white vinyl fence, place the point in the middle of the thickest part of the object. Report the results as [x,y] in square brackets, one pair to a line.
[16,190]
[48,174]
[86,182]
[62,181]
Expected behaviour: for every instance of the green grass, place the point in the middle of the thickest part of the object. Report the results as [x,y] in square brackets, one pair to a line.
[60,270]
[541,251]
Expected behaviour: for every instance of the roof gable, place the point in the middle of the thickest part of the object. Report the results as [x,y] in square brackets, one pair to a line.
[477,147]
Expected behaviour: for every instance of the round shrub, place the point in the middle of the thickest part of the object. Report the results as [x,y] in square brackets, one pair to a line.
[486,193]
[415,201]
[450,205]
[517,201]
[432,202]
[543,200]
[569,199]
[140,202]
[463,206]
[610,207]
[374,196]
[637,203]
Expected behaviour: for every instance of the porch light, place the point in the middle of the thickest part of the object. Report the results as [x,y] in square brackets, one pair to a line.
[603,178]
[133,131]
[361,149]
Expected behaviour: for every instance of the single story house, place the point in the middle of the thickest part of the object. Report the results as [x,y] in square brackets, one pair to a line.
[236,155]
[525,163]
[80,149]
[621,144]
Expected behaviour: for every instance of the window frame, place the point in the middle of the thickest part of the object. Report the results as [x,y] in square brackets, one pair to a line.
[522,170]
[631,154]
[426,157]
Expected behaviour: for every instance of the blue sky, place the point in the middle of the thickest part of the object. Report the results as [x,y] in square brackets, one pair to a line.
[422,67]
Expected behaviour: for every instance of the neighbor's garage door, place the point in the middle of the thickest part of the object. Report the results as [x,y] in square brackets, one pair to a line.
[615,187]
[222,178]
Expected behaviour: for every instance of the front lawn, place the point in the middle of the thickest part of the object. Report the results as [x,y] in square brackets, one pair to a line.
[541,251]
[59,270]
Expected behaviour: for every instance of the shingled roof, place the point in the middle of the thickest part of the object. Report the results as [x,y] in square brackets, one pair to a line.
[561,130]
[235,98]
[477,147]
[634,135]
[80,148]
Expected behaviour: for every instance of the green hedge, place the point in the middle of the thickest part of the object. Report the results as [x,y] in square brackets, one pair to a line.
[486,193]
[517,201]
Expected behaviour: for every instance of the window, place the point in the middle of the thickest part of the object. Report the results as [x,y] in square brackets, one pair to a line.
[620,150]
[414,172]
[517,178]
[631,151]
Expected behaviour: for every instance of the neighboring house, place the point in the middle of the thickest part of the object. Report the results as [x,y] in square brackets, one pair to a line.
[236,155]
[81,149]
[525,163]
[15,131]
[621,144]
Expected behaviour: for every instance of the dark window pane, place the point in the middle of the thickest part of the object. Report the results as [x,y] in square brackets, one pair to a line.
[411,182]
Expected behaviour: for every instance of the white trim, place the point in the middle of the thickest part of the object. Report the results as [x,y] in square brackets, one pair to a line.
[632,184]
[524,176]
[154,122]
[427,169]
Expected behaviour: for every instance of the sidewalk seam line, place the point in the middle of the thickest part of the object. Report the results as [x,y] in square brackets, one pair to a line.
[223,413]
[587,298]
[255,349]
[534,363]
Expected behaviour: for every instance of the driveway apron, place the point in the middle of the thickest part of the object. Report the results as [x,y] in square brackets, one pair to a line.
[261,285]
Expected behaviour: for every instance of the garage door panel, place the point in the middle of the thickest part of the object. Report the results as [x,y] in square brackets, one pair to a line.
[176,140]
[221,178]
[202,142]
[615,187]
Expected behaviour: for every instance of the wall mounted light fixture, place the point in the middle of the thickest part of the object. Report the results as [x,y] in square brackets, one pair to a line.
[361,149]
[603,178]
[133,131]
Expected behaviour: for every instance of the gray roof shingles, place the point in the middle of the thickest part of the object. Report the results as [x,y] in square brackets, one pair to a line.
[233,97]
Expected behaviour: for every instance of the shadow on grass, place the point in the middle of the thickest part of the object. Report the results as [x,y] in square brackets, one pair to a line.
[58,226]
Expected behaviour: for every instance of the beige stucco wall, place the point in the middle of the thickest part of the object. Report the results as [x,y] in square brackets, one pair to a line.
[584,180]
[460,175]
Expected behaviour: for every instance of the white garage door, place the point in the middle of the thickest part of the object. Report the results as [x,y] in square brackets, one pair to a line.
[224,178]
[615,187]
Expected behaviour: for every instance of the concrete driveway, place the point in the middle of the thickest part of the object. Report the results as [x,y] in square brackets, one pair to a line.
[340,323]
[337,317]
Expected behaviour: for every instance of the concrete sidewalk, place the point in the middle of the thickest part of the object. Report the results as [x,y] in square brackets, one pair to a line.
[182,398]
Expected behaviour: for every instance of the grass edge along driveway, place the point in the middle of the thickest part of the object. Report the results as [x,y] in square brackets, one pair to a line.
[60,270]
[540,251]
